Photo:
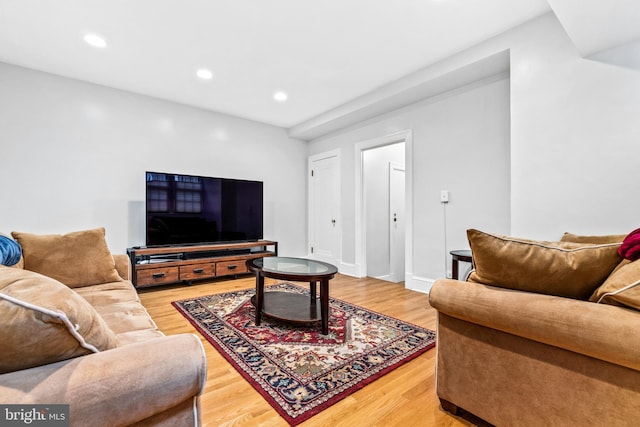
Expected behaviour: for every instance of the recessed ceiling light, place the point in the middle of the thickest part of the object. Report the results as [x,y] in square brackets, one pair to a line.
[95,40]
[280,96]
[204,74]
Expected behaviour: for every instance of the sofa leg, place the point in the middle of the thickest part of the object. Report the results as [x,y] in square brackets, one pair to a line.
[449,407]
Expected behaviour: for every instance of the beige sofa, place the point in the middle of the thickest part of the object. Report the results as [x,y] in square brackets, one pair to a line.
[518,349]
[80,336]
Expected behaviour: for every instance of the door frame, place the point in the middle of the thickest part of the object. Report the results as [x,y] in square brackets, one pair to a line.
[320,156]
[360,235]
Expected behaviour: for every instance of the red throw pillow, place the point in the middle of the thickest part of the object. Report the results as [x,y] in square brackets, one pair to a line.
[630,248]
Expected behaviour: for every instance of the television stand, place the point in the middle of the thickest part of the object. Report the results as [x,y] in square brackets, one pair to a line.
[163,265]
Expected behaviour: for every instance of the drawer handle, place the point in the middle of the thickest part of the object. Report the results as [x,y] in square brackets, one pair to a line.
[232,267]
[158,275]
[198,270]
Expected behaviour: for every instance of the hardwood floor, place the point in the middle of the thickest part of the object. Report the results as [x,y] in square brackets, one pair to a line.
[404,397]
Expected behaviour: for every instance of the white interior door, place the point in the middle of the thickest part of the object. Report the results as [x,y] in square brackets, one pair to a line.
[397,219]
[324,208]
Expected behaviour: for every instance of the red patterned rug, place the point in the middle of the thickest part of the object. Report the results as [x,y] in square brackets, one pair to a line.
[299,371]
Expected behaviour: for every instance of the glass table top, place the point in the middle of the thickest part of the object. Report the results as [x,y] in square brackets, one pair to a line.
[294,266]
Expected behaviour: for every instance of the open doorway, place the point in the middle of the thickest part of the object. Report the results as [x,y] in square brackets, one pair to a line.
[383,210]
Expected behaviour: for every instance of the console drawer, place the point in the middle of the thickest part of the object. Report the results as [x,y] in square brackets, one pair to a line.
[231,267]
[156,276]
[201,270]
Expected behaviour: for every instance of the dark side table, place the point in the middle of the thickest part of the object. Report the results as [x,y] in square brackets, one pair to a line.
[456,257]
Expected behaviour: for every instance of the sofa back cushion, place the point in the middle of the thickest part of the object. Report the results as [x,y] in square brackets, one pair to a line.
[622,287]
[80,258]
[572,270]
[593,239]
[44,321]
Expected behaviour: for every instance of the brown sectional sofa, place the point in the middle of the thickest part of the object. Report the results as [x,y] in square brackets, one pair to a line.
[117,368]
[520,352]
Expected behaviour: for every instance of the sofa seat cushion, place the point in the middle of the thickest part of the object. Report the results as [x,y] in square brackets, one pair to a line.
[622,287]
[107,293]
[572,270]
[44,321]
[125,316]
[119,305]
[131,337]
[76,259]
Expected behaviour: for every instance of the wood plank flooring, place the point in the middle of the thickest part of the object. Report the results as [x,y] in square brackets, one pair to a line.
[404,397]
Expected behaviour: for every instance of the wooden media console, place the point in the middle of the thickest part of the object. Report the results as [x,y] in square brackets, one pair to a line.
[162,265]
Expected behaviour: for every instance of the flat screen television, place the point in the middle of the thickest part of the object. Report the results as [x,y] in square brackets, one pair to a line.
[187,209]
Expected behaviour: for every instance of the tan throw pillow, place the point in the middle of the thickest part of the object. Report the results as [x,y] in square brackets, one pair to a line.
[565,269]
[597,240]
[81,258]
[622,287]
[43,321]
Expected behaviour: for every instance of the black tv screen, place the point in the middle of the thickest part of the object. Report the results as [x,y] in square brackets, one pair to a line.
[186,209]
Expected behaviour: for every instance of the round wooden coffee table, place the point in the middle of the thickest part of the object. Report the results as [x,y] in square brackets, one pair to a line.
[288,306]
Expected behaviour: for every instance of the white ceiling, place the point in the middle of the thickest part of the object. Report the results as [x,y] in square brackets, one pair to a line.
[323,54]
[598,25]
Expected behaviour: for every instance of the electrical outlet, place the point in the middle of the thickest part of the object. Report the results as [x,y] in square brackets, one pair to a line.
[444,196]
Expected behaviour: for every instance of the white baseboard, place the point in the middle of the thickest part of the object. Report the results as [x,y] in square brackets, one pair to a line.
[419,284]
[349,269]
[414,283]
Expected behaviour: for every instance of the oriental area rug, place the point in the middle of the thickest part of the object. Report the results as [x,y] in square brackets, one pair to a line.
[299,371]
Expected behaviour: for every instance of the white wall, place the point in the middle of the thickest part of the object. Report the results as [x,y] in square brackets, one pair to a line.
[460,142]
[575,137]
[550,150]
[74,154]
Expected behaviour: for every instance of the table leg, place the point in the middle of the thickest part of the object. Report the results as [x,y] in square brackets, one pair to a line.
[454,268]
[259,297]
[324,305]
[312,291]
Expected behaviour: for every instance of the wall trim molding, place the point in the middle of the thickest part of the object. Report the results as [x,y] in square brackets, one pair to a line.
[418,284]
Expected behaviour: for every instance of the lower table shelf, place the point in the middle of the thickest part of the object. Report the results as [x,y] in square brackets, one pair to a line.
[290,307]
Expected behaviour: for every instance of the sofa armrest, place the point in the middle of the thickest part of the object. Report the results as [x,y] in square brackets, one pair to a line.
[602,331]
[115,387]
[123,265]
